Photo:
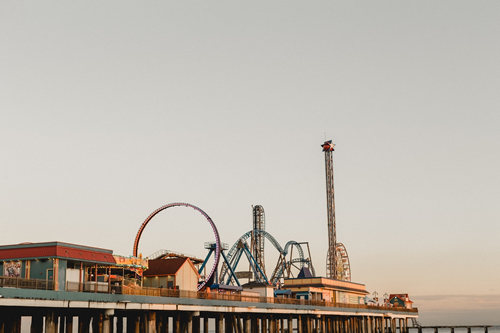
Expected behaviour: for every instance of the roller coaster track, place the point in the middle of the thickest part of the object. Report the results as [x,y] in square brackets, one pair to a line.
[233,255]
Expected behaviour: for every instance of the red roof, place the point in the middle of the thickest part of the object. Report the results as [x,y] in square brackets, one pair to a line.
[159,267]
[56,250]
[403,297]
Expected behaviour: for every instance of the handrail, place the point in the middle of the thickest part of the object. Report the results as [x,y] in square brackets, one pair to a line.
[163,292]
[16,282]
[104,287]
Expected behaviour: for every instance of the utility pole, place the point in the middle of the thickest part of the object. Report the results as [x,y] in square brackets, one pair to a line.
[331,259]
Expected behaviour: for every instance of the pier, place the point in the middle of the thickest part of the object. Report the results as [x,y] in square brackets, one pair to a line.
[62,311]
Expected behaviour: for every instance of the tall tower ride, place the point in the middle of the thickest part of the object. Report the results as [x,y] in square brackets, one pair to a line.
[331,259]
[257,241]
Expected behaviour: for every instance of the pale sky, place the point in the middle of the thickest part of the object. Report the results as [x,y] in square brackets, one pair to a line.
[110,109]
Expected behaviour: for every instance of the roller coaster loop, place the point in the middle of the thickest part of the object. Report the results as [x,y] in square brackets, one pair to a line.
[202,284]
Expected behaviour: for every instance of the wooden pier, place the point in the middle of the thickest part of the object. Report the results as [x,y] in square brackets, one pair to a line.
[60,311]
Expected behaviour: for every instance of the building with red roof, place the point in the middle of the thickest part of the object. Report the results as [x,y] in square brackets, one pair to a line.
[173,273]
[56,263]
[400,300]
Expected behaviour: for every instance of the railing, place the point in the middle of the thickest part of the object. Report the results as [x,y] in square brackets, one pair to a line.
[94,287]
[14,282]
[163,292]
[104,287]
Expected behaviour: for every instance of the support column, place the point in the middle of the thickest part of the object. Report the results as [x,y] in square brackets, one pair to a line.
[272,324]
[234,321]
[189,322]
[237,324]
[119,324]
[177,323]
[166,323]
[289,324]
[246,325]
[205,324]
[98,323]
[160,322]
[107,319]
[69,324]
[137,324]
[219,324]
[264,324]
[106,324]
[151,322]
[254,322]
[299,324]
[309,324]
[50,323]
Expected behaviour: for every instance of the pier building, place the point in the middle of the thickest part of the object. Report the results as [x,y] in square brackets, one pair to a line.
[55,264]
[329,290]
[174,273]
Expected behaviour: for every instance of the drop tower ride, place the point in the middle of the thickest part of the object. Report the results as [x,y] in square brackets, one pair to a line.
[331,258]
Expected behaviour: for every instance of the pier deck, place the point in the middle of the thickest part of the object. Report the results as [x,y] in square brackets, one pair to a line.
[60,311]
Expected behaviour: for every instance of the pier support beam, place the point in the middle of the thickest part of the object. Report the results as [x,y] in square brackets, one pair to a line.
[205,324]
[189,322]
[264,324]
[151,322]
[50,323]
[107,321]
[68,322]
[119,324]
[219,324]
[246,324]
[177,323]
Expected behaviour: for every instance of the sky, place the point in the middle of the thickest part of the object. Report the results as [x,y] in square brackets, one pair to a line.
[110,109]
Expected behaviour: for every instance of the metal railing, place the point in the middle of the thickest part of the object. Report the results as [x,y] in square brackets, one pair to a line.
[15,282]
[94,287]
[163,292]
[104,287]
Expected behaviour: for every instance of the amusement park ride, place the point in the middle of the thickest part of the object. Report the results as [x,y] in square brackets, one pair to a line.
[292,258]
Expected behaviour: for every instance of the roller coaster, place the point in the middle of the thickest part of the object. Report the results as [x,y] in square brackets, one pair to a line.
[292,258]
[283,267]
[286,267]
